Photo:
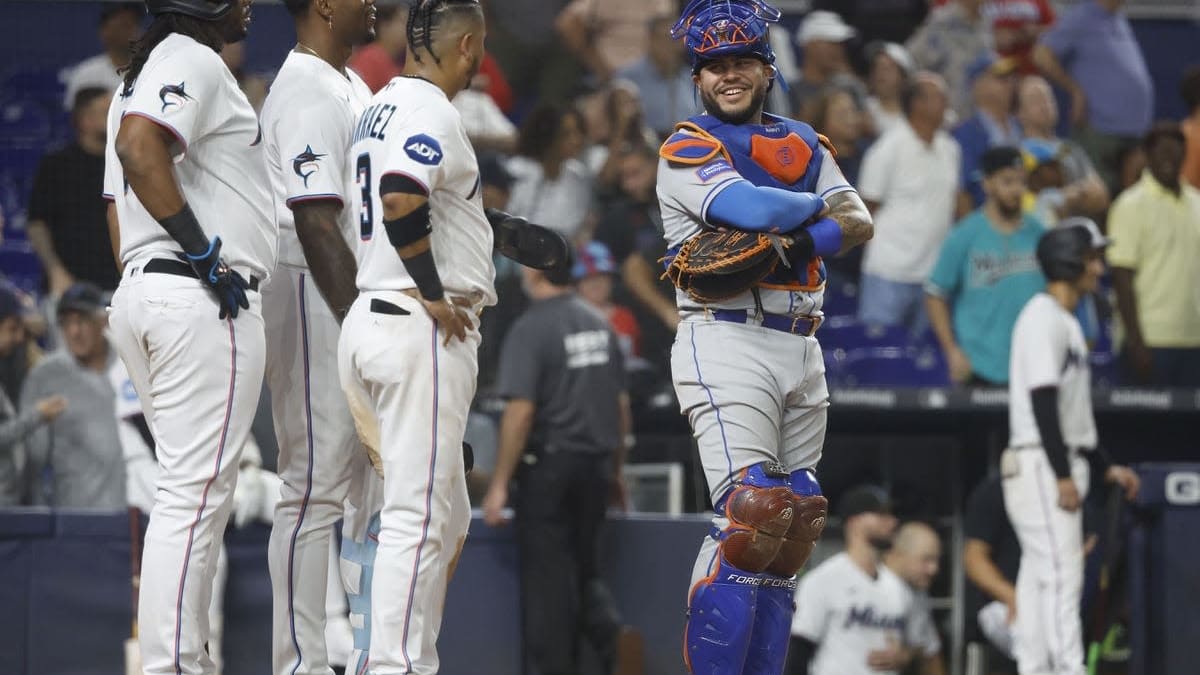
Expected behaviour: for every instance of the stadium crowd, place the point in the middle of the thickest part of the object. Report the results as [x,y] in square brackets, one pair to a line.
[969,127]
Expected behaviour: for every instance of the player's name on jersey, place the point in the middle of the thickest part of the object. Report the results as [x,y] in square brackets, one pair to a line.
[373,122]
[988,398]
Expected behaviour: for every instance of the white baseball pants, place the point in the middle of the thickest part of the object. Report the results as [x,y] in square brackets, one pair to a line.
[316,443]
[410,396]
[198,379]
[1047,634]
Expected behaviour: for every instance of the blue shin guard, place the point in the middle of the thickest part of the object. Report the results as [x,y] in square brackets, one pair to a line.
[776,594]
[721,609]
[772,626]
[720,620]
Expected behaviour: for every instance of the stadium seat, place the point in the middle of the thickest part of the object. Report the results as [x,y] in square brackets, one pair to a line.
[893,367]
[1105,369]
[841,299]
[847,333]
[38,82]
[24,123]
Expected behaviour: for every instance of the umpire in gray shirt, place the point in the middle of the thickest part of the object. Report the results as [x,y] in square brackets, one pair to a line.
[564,425]
[77,462]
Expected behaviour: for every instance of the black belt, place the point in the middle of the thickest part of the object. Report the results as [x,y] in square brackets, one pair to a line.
[181,269]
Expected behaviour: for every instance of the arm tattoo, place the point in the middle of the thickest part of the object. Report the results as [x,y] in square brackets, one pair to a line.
[848,210]
[329,257]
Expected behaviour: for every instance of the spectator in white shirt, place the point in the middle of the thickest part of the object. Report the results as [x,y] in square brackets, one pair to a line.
[909,181]
[486,124]
[552,187]
[119,26]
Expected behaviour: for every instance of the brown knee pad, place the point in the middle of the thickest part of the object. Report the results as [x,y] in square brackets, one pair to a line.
[801,537]
[759,520]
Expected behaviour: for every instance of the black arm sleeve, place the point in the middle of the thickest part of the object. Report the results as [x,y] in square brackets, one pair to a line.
[1045,412]
[185,229]
[800,653]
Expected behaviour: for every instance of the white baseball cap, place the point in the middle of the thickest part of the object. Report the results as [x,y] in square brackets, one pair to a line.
[825,26]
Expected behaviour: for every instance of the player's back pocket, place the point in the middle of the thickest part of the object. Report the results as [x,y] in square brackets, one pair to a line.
[380,306]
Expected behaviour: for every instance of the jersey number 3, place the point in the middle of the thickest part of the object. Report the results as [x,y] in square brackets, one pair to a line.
[366,211]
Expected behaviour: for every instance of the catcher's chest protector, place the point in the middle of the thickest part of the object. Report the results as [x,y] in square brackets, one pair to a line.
[782,153]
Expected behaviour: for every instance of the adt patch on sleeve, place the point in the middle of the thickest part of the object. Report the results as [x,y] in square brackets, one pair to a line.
[424,149]
[708,171]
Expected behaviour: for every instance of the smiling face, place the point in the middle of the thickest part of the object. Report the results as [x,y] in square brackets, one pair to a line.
[734,88]
[353,20]
[236,24]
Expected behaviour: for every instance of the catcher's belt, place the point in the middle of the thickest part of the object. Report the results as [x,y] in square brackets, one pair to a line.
[717,265]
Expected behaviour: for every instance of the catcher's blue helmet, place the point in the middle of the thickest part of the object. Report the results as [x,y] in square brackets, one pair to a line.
[714,28]
[207,10]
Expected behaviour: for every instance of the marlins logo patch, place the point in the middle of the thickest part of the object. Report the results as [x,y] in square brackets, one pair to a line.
[173,96]
[423,149]
[306,164]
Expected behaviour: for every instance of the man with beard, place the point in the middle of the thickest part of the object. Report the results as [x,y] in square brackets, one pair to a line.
[192,212]
[748,370]
[855,615]
[307,122]
[986,272]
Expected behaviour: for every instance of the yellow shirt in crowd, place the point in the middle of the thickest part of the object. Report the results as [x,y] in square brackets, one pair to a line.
[1157,235]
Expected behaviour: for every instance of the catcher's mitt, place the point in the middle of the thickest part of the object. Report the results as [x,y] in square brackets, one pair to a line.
[715,265]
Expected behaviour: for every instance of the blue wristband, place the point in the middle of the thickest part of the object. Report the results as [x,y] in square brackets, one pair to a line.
[827,237]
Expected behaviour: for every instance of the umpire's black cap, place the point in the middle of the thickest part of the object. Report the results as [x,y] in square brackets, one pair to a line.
[864,499]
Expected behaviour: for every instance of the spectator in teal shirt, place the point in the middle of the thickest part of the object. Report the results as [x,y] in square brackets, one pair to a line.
[986,272]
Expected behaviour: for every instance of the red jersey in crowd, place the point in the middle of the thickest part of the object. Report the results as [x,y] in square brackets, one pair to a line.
[1016,25]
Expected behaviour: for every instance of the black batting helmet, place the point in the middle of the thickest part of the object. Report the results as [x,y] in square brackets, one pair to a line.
[206,10]
[1061,252]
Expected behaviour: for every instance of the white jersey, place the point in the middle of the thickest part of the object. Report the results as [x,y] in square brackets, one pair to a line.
[307,121]
[685,193]
[186,89]
[410,128]
[849,614]
[1048,349]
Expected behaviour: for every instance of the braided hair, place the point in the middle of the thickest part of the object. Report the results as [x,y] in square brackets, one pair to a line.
[207,33]
[425,18]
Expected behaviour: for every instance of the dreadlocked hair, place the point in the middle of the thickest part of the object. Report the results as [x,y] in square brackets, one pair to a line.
[207,33]
[426,17]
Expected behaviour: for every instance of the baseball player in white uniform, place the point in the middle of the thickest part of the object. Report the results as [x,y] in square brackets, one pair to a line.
[748,370]
[1052,441]
[307,122]
[186,319]
[407,353]
[855,616]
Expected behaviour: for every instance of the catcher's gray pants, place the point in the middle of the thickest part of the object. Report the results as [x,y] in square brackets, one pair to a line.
[751,394]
